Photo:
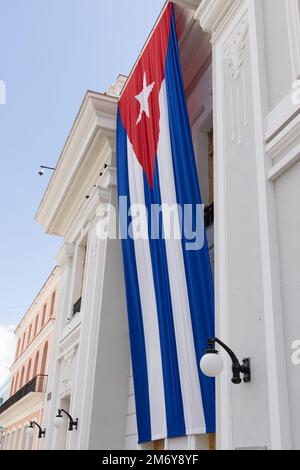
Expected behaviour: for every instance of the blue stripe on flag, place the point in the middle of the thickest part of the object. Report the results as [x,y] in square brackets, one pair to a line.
[172,387]
[197,263]
[135,319]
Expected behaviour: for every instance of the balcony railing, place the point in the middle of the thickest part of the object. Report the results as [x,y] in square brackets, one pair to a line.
[37,384]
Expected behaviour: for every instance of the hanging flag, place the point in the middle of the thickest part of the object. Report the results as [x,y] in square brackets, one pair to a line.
[169,287]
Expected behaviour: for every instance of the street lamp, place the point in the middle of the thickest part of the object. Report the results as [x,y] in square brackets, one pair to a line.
[73,424]
[43,168]
[30,430]
[211,363]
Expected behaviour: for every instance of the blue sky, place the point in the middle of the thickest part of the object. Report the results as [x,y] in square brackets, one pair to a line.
[51,52]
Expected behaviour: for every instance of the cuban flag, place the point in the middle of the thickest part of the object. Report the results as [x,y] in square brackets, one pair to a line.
[169,289]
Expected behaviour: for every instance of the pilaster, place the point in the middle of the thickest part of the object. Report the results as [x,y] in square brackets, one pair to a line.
[248,302]
[65,261]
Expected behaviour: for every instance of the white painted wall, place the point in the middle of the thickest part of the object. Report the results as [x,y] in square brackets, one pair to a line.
[287,200]
[256,51]
[278,62]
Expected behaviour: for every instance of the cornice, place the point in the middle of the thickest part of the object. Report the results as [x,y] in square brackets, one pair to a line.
[93,133]
[84,214]
[65,254]
[70,336]
[32,348]
[211,13]
[191,4]
[41,298]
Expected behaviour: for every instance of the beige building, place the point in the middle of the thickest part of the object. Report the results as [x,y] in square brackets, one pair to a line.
[29,372]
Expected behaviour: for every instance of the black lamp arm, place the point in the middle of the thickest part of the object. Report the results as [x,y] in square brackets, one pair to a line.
[237,368]
[211,343]
[72,421]
[42,432]
[47,167]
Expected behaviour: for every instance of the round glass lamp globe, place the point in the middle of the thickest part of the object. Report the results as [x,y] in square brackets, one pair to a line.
[30,431]
[58,421]
[211,364]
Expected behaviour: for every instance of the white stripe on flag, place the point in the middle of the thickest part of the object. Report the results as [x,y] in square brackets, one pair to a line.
[149,308]
[189,377]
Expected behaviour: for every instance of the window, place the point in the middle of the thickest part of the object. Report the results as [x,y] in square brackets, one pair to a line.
[12,386]
[52,305]
[23,343]
[28,376]
[16,384]
[18,348]
[44,359]
[22,377]
[80,268]
[36,325]
[29,334]
[36,364]
[44,315]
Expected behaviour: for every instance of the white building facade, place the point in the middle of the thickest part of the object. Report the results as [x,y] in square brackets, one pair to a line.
[241,62]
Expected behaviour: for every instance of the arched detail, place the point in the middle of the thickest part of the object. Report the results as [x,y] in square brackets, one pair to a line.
[23,342]
[44,359]
[36,325]
[28,373]
[18,348]
[29,334]
[36,364]
[16,384]
[22,377]
[12,385]
[53,298]
[44,316]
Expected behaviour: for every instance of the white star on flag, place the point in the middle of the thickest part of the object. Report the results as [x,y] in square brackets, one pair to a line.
[143,99]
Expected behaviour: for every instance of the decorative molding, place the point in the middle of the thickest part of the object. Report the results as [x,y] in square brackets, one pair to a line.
[288,136]
[284,164]
[191,4]
[45,333]
[284,149]
[280,117]
[65,388]
[116,89]
[65,254]
[70,336]
[90,145]
[29,405]
[109,180]
[234,47]
[233,53]
[69,356]
[211,13]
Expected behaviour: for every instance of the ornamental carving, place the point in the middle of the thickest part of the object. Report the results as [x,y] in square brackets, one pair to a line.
[234,47]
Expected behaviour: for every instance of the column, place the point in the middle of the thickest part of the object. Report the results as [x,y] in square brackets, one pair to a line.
[65,261]
[101,388]
[248,303]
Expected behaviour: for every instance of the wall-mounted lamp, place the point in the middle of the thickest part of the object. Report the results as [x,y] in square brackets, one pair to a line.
[211,363]
[30,430]
[73,424]
[43,168]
